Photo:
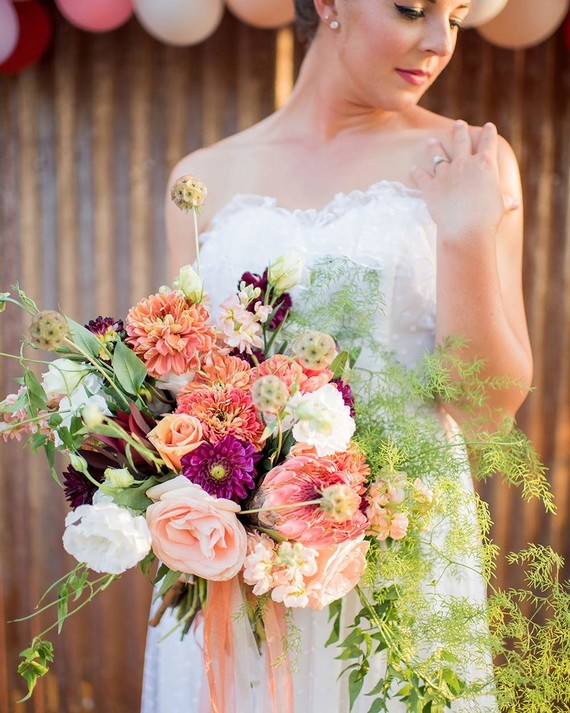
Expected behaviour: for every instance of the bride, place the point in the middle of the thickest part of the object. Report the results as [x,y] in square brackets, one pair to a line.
[351,166]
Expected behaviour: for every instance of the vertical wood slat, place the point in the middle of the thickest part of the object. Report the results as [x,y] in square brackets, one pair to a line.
[87,138]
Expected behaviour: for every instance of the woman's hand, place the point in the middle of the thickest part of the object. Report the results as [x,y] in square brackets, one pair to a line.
[463,191]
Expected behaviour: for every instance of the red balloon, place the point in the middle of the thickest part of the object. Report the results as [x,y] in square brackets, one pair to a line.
[36,29]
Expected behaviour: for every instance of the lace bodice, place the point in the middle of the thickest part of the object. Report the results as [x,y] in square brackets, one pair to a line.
[387,227]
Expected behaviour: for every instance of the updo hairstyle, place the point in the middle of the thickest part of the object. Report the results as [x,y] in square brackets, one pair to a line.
[306,20]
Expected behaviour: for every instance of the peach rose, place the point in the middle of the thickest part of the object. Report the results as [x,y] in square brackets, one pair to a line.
[174,436]
[194,533]
[339,569]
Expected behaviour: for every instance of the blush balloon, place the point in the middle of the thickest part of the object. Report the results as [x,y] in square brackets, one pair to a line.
[483,11]
[36,29]
[9,29]
[96,15]
[524,23]
[180,22]
[261,13]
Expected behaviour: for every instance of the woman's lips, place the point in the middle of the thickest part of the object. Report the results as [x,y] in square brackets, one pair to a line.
[417,77]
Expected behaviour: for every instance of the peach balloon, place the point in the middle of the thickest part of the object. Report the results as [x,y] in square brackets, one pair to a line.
[9,29]
[96,15]
[180,22]
[483,11]
[524,23]
[262,13]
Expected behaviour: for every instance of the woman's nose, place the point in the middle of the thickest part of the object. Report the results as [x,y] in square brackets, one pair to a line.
[438,38]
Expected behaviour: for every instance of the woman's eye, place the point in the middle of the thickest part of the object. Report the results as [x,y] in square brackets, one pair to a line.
[412,13]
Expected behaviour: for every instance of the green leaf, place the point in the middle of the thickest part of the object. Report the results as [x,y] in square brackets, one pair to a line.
[36,395]
[335,610]
[135,497]
[355,682]
[83,338]
[129,369]
[171,578]
[339,364]
[28,301]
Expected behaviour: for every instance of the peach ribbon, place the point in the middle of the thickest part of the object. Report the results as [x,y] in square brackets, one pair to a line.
[221,604]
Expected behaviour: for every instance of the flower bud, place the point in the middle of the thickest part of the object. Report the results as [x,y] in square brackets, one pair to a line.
[339,502]
[190,284]
[92,416]
[3,300]
[314,350]
[188,193]
[285,272]
[48,330]
[119,477]
[269,394]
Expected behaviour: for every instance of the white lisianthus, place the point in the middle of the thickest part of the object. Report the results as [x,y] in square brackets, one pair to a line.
[324,420]
[84,397]
[106,537]
[92,415]
[174,382]
[286,271]
[190,284]
[63,376]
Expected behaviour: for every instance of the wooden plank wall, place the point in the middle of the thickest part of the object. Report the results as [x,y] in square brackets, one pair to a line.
[87,138]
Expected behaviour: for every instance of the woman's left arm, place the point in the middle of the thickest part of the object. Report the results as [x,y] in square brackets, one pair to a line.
[479,262]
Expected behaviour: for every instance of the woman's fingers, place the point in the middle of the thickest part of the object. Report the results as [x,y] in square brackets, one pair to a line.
[462,145]
[488,140]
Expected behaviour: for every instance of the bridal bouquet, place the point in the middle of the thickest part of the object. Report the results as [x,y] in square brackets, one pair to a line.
[233,453]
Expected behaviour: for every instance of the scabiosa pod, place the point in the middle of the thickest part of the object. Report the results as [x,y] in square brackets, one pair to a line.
[339,502]
[189,193]
[48,330]
[269,394]
[314,350]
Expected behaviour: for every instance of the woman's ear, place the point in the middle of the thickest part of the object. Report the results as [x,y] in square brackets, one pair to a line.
[326,9]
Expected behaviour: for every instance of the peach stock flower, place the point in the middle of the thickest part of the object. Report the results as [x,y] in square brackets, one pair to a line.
[222,413]
[194,533]
[174,436]
[169,333]
[339,569]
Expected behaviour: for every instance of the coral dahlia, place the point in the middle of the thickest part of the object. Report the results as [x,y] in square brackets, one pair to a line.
[169,333]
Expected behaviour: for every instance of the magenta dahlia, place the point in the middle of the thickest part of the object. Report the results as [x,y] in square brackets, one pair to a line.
[224,469]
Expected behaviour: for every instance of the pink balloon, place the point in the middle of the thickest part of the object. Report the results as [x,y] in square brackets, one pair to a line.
[263,13]
[524,23]
[483,11]
[180,22]
[9,29]
[96,15]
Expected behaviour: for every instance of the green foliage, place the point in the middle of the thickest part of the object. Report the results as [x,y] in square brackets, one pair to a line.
[432,642]
[128,369]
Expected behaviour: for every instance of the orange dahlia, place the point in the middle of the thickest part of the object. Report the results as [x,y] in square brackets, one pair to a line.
[169,333]
[223,412]
[218,371]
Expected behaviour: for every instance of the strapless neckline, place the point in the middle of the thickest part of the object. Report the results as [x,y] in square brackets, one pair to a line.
[338,205]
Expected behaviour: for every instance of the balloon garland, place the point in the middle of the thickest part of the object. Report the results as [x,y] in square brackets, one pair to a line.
[26,26]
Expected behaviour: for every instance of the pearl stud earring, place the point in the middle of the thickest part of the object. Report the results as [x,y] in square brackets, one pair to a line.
[334,24]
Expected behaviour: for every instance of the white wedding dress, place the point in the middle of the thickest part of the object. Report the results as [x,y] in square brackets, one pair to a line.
[387,227]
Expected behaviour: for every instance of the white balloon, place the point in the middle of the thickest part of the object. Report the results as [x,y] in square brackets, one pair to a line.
[263,13]
[524,23]
[483,11]
[9,29]
[179,22]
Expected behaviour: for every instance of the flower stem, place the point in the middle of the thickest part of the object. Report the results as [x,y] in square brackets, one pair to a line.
[196,241]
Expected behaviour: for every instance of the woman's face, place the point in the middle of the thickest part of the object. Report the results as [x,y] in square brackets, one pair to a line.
[390,51]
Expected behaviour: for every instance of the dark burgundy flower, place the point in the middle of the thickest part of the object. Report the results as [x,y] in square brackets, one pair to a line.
[283,304]
[253,359]
[108,331]
[346,393]
[223,469]
[137,424]
[78,489]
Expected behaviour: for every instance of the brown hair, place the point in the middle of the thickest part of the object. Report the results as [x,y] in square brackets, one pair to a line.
[306,20]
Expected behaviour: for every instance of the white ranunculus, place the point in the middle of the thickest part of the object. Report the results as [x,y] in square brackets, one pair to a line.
[63,376]
[106,537]
[286,271]
[190,283]
[324,420]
